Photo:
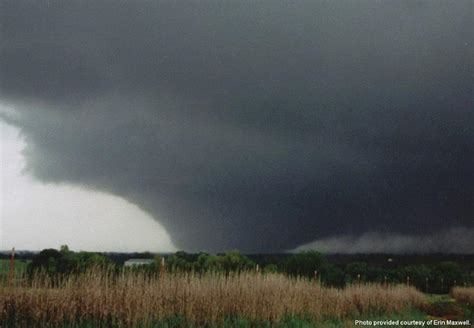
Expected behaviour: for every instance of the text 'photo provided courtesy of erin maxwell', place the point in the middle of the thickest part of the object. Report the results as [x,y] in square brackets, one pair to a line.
[413,323]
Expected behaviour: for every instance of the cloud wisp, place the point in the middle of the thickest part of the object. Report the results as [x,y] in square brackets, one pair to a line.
[458,240]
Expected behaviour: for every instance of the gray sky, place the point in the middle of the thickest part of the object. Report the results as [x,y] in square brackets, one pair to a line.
[261,126]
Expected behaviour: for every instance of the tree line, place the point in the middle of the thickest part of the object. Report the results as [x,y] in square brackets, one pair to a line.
[432,278]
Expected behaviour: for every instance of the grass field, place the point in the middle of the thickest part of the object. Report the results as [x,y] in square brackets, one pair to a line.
[464,295]
[185,300]
[132,299]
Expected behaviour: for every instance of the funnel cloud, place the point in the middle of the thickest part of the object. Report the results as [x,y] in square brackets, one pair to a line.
[258,126]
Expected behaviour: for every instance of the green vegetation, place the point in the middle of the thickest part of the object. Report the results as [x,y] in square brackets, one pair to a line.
[437,278]
[228,290]
[64,261]
[20,267]
[229,262]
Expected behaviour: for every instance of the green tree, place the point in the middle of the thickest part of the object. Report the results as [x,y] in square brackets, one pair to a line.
[234,261]
[305,263]
[332,275]
[420,276]
[446,275]
[357,271]
[64,261]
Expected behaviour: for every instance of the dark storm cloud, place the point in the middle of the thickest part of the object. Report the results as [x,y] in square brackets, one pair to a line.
[253,125]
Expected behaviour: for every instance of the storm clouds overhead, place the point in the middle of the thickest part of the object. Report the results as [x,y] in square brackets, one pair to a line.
[253,125]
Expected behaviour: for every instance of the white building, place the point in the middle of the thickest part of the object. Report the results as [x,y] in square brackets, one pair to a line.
[137,262]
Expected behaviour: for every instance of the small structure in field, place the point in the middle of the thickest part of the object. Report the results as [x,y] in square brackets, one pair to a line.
[137,262]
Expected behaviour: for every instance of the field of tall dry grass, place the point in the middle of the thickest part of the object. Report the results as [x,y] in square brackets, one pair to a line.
[464,295]
[132,299]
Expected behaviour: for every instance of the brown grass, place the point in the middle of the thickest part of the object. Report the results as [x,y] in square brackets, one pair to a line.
[464,295]
[133,298]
